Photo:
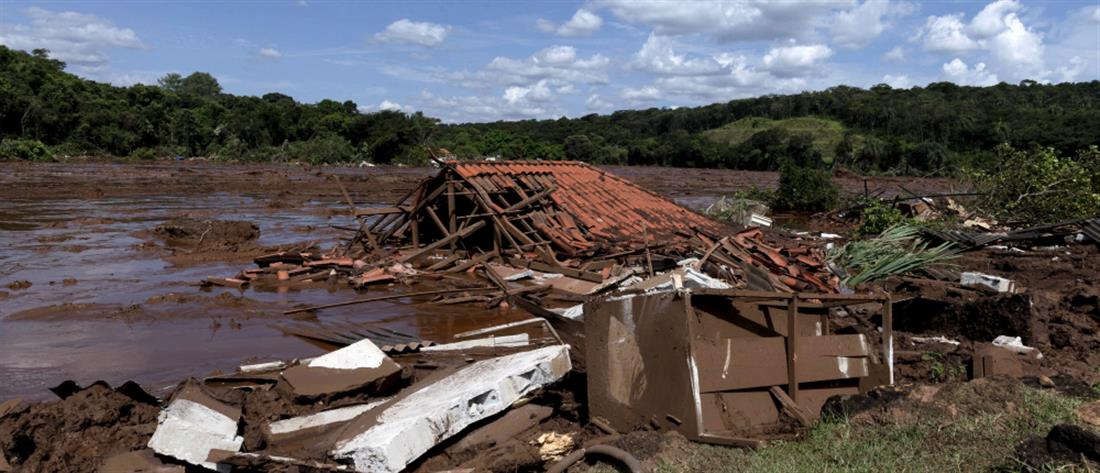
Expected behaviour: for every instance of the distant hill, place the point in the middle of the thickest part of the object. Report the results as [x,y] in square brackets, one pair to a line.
[826,133]
[937,129]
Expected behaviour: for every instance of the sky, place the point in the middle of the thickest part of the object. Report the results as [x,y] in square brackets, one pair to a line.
[467,61]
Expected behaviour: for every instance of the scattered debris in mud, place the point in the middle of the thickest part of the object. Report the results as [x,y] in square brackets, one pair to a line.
[654,328]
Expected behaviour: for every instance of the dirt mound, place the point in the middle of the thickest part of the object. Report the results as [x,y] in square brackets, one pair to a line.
[194,233]
[77,433]
[1066,444]
[908,404]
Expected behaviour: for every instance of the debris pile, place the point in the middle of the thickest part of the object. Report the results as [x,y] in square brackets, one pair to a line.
[653,316]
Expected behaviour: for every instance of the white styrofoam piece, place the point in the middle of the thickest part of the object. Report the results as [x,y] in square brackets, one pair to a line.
[1015,344]
[759,221]
[319,419]
[517,340]
[413,425]
[188,431]
[361,354]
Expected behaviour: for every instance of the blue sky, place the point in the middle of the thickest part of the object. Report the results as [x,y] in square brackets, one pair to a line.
[482,61]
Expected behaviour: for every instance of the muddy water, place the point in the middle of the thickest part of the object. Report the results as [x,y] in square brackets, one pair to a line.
[104,305]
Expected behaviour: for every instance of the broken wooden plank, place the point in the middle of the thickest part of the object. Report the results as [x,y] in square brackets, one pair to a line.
[442,241]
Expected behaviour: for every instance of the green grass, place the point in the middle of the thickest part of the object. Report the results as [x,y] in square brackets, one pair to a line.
[934,442]
[826,133]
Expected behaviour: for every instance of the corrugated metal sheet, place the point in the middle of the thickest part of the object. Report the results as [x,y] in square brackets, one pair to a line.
[610,208]
[1091,229]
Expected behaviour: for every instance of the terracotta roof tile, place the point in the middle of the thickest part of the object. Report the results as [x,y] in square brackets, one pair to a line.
[607,206]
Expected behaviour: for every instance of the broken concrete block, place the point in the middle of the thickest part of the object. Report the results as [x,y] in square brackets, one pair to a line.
[359,367]
[507,427]
[143,461]
[996,283]
[314,424]
[193,425]
[422,419]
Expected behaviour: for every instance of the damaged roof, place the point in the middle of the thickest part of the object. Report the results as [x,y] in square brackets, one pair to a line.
[609,208]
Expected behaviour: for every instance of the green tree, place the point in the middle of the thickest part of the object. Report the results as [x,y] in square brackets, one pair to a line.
[199,84]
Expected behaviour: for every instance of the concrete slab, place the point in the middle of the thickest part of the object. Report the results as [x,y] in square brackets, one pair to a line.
[193,425]
[359,367]
[411,426]
[295,428]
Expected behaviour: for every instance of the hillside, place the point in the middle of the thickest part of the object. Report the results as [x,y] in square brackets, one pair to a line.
[826,134]
[46,112]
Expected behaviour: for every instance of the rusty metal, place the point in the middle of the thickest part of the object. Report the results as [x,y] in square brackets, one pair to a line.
[710,360]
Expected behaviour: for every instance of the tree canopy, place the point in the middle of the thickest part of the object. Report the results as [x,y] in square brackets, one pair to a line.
[923,130]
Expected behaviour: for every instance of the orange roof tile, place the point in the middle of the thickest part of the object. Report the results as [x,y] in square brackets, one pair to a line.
[607,206]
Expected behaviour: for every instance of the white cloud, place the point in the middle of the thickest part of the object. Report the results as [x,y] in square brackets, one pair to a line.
[269,53]
[596,103]
[857,27]
[583,23]
[1095,14]
[946,34]
[419,33]
[958,72]
[795,60]
[390,106]
[1015,51]
[537,92]
[898,82]
[76,38]
[991,20]
[657,57]
[896,55]
[555,56]
[556,62]
[545,26]
[1075,67]
[1018,48]
[466,108]
[648,93]
[726,20]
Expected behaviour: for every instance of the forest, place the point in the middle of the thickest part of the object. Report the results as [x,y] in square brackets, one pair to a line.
[47,113]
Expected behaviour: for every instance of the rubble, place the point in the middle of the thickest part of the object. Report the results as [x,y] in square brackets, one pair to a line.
[193,425]
[410,426]
[296,428]
[995,283]
[647,316]
[359,367]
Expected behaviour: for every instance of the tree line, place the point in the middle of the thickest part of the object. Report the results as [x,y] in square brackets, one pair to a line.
[937,129]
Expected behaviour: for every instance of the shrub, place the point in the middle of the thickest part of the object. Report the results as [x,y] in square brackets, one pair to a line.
[31,150]
[1039,186]
[877,216]
[804,188]
[322,149]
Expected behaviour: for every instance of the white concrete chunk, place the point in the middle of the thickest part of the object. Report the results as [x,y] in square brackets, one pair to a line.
[996,283]
[322,418]
[361,354]
[188,431]
[413,425]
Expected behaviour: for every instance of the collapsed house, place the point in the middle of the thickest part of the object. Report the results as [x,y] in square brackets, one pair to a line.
[677,321]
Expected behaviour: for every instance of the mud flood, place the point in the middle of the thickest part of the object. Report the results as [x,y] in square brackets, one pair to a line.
[109,300]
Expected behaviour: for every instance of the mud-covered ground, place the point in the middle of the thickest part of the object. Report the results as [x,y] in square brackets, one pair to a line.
[111,294]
